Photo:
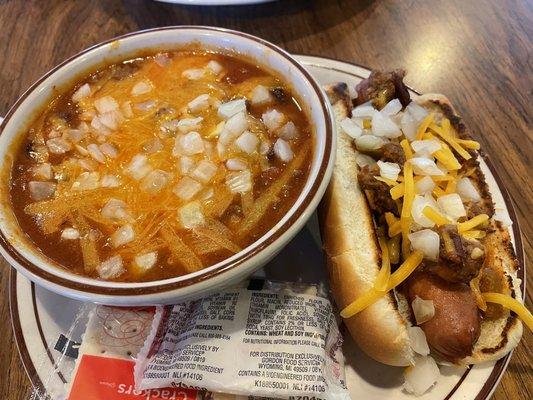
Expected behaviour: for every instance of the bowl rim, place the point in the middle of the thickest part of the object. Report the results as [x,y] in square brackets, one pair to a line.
[245,254]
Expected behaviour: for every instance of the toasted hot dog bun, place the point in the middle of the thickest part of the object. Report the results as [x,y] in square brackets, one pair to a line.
[353,256]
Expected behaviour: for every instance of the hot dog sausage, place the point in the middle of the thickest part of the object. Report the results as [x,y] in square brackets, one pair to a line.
[455,328]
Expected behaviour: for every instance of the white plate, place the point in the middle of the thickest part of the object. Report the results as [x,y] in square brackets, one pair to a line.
[215,2]
[40,317]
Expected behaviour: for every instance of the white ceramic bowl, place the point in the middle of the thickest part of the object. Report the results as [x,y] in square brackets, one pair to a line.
[26,258]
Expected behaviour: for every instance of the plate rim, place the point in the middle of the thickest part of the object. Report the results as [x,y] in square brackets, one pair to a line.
[489,385]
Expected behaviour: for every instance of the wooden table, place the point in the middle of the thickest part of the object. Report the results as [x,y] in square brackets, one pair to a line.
[477,52]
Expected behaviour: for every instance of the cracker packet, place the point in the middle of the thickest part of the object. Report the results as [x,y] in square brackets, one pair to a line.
[275,340]
[106,357]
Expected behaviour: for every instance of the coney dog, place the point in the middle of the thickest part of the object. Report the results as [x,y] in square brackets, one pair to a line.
[419,260]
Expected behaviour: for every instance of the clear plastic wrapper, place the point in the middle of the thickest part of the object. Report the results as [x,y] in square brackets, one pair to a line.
[284,332]
[280,341]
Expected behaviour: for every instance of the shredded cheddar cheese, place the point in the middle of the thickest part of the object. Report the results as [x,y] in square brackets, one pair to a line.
[435,216]
[472,223]
[445,125]
[424,126]
[450,187]
[373,295]
[393,223]
[397,191]
[446,157]
[409,185]
[384,273]
[474,234]
[451,141]
[438,192]
[469,144]
[512,304]
[406,149]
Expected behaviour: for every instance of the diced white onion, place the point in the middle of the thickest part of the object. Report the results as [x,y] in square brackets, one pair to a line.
[466,189]
[393,107]
[422,376]
[389,170]
[364,111]
[75,135]
[111,119]
[189,124]
[111,268]
[351,128]
[409,126]
[87,165]
[264,148]
[191,215]
[145,105]
[452,206]
[417,112]
[124,234]
[199,103]
[369,143]
[70,234]
[141,87]
[288,131]
[41,190]
[126,110]
[162,59]
[193,74]
[283,150]
[191,143]
[95,153]
[419,203]
[235,125]
[229,109]
[273,119]
[110,181]
[236,164]
[215,67]
[155,181]
[207,194]
[239,182]
[138,168]
[425,185]
[187,188]
[261,95]
[99,127]
[82,92]
[426,146]
[426,241]
[87,181]
[383,126]
[106,104]
[363,160]
[172,125]
[115,209]
[153,146]
[42,171]
[83,151]
[423,310]
[58,145]
[502,216]
[418,340]
[146,261]
[204,171]
[109,150]
[247,142]
[185,164]
[425,166]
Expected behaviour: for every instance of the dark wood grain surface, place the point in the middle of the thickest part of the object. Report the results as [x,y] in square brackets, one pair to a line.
[477,52]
